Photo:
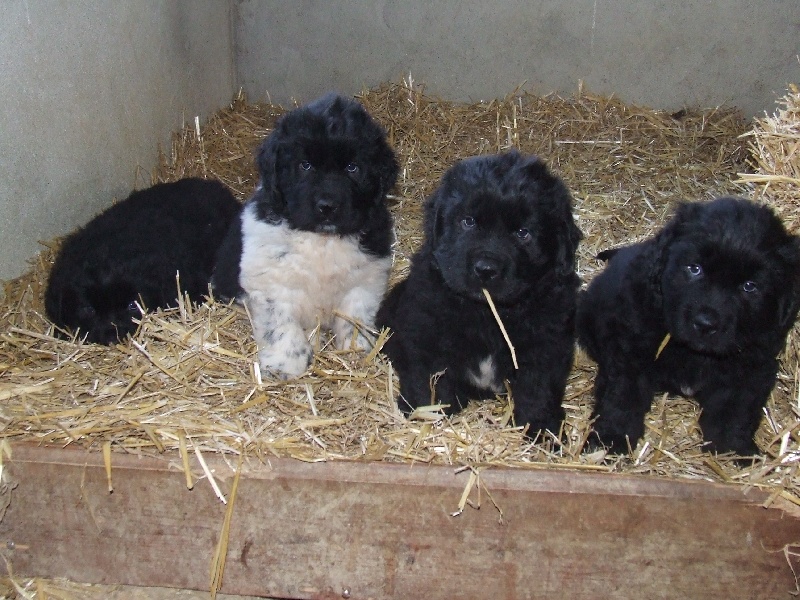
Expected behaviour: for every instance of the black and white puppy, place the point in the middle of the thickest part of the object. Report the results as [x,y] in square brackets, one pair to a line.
[313,244]
[132,252]
[501,223]
[702,309]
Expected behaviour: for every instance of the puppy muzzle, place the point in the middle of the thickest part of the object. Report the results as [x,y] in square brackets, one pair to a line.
[328,215]
[487,269]
[706,322]
[326,208]
[706,330]
[486,265]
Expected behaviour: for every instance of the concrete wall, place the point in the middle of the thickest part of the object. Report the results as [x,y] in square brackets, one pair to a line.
[660,53]
[88,90]
[89,87]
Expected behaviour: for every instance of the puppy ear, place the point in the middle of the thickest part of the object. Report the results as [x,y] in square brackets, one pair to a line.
[434,217]
[267,158]
[563,233]
[655,257]
[565,264]
[271,198]
[388,170]
[567,234]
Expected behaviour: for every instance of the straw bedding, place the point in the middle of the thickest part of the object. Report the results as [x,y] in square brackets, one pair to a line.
[186,381]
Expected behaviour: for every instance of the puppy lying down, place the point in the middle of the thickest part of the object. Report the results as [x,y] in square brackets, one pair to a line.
[503,224]
[130,254]
[313,243]
[702,309]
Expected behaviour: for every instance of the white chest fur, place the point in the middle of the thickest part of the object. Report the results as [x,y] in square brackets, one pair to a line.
[486,376]
[313,274]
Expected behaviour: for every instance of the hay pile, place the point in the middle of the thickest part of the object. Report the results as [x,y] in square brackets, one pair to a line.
[774,144]
[186,382]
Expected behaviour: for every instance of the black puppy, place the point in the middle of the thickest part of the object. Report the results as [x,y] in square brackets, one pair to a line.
[131,253]
[501,223]
[313,244]
[702,310]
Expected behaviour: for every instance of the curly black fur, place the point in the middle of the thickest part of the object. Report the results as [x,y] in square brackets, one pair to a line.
[503,223]
[131,253]
[723,280]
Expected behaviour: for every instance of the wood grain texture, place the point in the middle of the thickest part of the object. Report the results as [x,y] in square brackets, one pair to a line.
[377,530]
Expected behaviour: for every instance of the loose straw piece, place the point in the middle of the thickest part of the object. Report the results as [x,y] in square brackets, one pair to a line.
[477,483]
[663,345]
[5,452]
[473,478]
[132,383]
[310,396]
[185,459]
[218,564]
[107,461]
[383,335]
[210,477]
[502,327]
[482,484]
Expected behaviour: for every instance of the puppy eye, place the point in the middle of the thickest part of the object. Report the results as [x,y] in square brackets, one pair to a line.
[468,222]
[305,165]
[523,234]
[749,287]
[694,270]
[132,307]
[351,167]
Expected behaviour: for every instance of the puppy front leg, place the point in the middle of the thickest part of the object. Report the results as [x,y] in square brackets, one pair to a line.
[419,387]
[730,416]
[283,350]
[415,387]
[538,392]
[360,304]
[622,399]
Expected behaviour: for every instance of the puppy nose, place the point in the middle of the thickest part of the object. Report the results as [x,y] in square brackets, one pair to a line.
[326,207]
[486,269]
[706,321]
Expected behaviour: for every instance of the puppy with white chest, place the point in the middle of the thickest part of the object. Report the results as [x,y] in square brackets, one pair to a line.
[313,244]
[503,224]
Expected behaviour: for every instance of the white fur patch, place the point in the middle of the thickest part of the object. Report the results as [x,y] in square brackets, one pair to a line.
[486,377]
[294,278]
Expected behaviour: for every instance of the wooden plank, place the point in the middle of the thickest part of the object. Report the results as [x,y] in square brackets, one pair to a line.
[370,530]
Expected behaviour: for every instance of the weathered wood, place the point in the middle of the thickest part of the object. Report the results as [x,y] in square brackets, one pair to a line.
[385,531]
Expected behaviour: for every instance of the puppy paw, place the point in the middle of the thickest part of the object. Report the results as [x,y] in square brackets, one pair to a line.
[286,364]
[544,418]
[610,442]
[542,430]
[746,449]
